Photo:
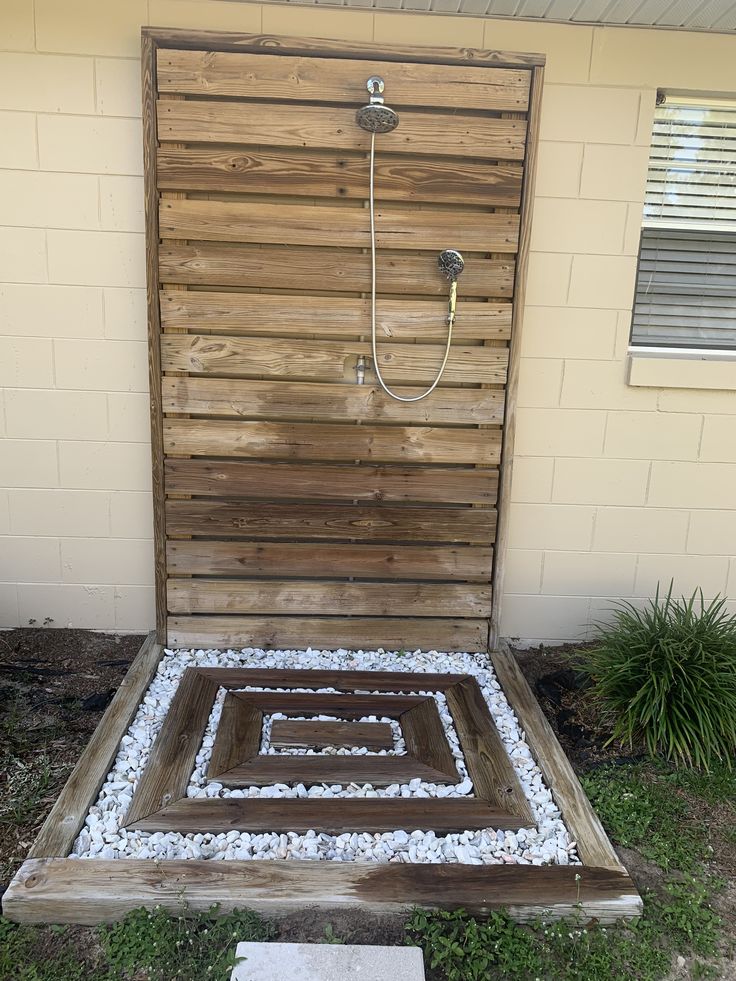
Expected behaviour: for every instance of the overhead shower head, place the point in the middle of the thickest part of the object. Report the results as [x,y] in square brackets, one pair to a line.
[376,117]
[451,263]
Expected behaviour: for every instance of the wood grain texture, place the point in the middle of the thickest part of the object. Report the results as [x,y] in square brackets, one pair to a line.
[489,766]
[378,771]
[290,559]
[333,317]
[331,270]
[292,224]
[216,518]
[79,793]
[331,442]
[308,734]
[328,633]
[338,175]
[331,361]
[278,125]
[581,820]
[279,77]
[342,680]
[151,204]
[347,814]
[348,706]
[217,596]
[174,752]
[171,37]
[426,740]
[364,483]
[65,891]
[238,736]
[509,433]
[255,399]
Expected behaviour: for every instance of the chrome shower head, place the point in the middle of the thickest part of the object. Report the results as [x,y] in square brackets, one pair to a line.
[376,117]
[451,263]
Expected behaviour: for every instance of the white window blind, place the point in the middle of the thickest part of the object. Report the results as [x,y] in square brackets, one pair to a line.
[686,281]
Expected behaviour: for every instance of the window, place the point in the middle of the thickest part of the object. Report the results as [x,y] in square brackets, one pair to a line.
[686,280]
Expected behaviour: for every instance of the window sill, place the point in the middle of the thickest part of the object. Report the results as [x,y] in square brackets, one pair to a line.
[672,368]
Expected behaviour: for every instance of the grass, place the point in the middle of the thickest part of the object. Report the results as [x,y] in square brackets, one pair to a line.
[148,945]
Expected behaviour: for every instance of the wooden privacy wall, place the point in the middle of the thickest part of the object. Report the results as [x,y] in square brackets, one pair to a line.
[297,506]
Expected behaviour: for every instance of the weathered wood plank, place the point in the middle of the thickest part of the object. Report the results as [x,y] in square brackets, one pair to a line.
[329,633]
[331,361]
[67,891]
[289,559]
[581,820]
[328,174]
[274,481]
[255,399]
[264,76]
[343,680]
[378,771]
[489,766]
[291,224]
[66,818]
[327,270]
[436,134]
[238,736]
[308,734]
[331,442]
[172,37]
[174,752]
[308,596]
[426,740]
[348,814]
[331,521]
[333,317]
[349,706]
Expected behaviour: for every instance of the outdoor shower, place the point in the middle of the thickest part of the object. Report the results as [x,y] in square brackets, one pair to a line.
[376,117]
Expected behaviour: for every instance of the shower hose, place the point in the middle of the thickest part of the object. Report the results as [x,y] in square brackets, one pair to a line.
[374,344]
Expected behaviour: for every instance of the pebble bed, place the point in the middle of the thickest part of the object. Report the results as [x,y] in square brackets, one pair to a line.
[104,836]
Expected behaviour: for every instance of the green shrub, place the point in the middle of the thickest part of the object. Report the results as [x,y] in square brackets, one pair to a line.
[666,675]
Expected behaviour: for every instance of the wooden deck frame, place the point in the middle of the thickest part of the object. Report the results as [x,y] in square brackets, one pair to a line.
[468,634]
[50,887]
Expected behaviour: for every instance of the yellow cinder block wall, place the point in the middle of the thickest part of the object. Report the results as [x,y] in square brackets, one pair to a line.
[615,487]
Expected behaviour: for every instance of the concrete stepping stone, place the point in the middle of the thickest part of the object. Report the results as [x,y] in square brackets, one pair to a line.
[327,962]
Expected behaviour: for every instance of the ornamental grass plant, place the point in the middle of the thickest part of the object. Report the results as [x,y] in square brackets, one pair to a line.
[665,676]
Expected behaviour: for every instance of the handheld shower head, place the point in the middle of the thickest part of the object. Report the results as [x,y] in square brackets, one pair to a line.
[451,263]
[376,117]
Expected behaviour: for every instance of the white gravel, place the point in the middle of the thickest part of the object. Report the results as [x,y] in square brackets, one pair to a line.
[104,836]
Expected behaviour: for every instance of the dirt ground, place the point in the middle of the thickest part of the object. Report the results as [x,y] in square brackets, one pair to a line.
[55,685]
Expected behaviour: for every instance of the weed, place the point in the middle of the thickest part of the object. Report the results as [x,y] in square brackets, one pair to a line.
[666,675]
[154,946]
[330,936]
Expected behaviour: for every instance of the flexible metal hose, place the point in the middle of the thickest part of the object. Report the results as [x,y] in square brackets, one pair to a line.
[374,344]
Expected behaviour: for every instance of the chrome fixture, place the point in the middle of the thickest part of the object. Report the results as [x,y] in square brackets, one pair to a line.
[360,369]
[377,117]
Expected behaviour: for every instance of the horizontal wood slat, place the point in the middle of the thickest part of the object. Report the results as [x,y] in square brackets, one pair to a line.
[215,518]
[329,270]
[331,316]
[379,771]
[306,734]
[238,478]
[264,76]
[330,598]
[263,124]
[391,634]
[325,441]
[340,680]
[254,399]
[289,224]
[339,175]
[215,558]
[327,360]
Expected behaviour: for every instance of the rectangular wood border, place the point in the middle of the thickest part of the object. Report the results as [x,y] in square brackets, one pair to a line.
[63,890]
[154,38]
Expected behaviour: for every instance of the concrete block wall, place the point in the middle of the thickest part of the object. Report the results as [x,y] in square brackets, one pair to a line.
[616,486]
